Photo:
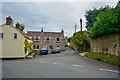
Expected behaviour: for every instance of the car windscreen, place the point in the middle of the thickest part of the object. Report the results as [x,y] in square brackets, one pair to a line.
[43,49]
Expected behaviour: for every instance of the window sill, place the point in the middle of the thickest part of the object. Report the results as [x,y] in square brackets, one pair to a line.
[36,40]
[35,49]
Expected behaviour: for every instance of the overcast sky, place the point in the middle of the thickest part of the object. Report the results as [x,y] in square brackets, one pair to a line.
[51,16]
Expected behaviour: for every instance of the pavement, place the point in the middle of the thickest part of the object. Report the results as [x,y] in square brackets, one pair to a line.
[67,64]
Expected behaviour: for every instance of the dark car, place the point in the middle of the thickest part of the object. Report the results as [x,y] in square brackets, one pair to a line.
[56,50]
[43,51]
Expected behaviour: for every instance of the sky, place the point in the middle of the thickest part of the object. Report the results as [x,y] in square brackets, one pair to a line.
[51,16]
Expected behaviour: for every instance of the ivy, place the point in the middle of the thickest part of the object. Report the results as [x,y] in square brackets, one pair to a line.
[28,46]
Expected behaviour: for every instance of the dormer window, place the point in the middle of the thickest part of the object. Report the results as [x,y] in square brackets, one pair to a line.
[36,38]
[15,35]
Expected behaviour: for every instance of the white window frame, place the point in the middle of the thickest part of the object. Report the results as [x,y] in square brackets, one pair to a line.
[35,38]
[46,39]
[14,36]
[56,39]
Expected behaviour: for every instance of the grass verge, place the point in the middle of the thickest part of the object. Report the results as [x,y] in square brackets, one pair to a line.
[108,58]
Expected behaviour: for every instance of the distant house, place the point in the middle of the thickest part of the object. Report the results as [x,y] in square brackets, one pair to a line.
[48,40]
[12,40]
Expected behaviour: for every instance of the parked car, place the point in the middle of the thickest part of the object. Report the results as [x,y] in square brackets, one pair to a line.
[43,51]
[56,50]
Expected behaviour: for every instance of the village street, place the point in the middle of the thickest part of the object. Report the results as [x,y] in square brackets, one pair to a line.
[67,64]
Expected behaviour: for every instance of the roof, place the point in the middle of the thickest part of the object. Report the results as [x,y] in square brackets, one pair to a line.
[25,35]
[43,32]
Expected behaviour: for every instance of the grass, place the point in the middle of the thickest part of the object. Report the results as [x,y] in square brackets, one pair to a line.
[110,58]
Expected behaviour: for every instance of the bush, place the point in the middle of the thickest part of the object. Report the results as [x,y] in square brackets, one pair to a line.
[35,54]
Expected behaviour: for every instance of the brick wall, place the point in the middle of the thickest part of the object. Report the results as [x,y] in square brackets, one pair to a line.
[52,42]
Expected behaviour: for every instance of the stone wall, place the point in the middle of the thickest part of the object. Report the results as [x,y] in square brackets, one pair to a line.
[73,46]
[109,44]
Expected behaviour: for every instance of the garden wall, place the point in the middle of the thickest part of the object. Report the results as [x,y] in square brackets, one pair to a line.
[109,44]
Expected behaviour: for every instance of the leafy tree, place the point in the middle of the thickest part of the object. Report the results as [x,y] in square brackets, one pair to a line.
[79,39]
[21,28]
[91,16]
[108,22]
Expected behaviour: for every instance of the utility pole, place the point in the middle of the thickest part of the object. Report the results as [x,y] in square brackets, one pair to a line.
[75,28]
[81,24]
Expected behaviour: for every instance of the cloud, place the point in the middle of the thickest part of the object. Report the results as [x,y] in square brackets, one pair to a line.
[52,16]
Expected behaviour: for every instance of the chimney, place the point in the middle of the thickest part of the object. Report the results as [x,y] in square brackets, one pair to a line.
[42,30]
[62,31]
[17,25]
[8,20]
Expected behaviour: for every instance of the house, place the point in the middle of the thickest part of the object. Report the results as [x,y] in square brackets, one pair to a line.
[48,40]
[12,40]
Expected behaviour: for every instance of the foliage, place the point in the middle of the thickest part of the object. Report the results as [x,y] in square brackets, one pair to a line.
[79,39]
[21,27]
[110,58]
[66,45]
[69,39]
[91,16]
[108,22]
[35,54]
[28,46]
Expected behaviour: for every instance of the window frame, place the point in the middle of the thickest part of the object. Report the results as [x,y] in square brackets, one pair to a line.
[15,36]
[36,39]
[1,35]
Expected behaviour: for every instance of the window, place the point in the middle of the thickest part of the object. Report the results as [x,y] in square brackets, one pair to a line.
[58,39]
[15,35]
[1,35]
[50,47]
[33,46]
[36,38]
[47,39]
[37,46]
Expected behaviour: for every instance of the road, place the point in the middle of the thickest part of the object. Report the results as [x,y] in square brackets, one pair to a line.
[67,64]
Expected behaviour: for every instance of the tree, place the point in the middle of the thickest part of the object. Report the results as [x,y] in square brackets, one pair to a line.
[21,28]
[91,16]
[108,22]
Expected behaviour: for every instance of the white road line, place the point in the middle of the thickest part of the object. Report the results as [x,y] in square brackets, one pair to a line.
[78,65]
[58,63]
[17,61]
[108,70]
[44,61]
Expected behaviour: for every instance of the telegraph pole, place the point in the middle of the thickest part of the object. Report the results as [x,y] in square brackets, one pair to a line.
[81,24]
[75,28]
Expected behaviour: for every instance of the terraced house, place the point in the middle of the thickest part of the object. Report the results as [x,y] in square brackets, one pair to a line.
[48,40]
[12,40]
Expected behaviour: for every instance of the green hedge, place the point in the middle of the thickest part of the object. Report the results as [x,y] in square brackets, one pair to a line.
[108,22]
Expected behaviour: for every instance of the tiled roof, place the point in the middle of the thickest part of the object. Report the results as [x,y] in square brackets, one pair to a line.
[25,35]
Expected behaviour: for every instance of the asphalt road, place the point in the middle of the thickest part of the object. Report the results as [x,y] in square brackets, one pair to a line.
[67,64]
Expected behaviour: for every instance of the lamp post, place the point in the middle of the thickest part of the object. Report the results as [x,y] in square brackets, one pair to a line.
[81,24]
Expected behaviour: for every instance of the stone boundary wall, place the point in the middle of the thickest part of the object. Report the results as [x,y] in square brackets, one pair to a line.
[109,44]
[73,46]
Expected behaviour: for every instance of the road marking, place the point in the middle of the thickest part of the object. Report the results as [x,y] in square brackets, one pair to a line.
[78,65]
[44,61]
[17,61]
[59,63]
[108,70]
